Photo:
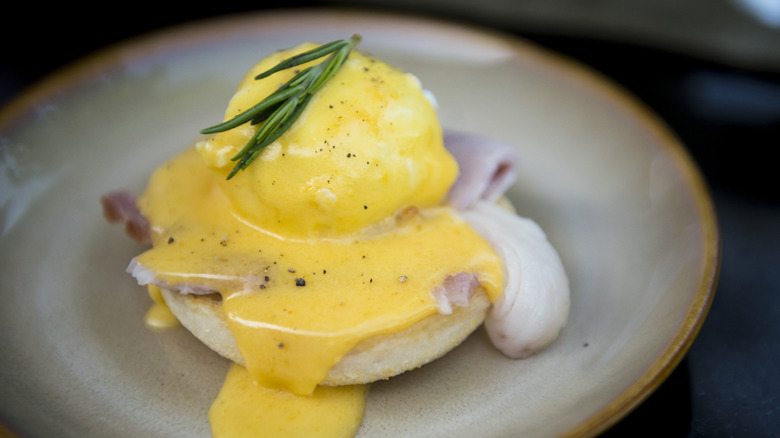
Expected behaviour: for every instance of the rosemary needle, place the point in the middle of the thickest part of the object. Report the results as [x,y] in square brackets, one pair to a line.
[279,110]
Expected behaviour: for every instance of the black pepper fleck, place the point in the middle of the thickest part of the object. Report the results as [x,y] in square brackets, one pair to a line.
[170,240]
[300,282]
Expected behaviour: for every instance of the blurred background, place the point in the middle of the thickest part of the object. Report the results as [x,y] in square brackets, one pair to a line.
[710,69]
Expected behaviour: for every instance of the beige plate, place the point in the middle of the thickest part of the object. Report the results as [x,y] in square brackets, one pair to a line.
[616,193]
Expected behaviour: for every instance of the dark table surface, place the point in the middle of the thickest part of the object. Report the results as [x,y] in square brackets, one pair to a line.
[727,115]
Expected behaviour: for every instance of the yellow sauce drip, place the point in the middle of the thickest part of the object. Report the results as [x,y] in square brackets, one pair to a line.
[244,409]
[159,316]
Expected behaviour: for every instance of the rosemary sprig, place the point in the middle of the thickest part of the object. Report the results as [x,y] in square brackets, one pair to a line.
[280,109]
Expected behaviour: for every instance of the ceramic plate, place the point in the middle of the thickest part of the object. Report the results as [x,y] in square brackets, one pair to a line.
[617,195]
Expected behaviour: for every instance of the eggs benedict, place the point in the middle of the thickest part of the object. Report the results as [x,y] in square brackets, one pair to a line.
[341,249]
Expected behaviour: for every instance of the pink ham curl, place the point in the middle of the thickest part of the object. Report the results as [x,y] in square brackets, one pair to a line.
[487,167]
[455,290]
[535,303]
[146,276]
[120,206]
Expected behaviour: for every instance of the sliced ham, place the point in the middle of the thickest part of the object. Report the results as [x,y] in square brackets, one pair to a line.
[146,276]
[456,290]
[487,168]
[120,206]
[535,304]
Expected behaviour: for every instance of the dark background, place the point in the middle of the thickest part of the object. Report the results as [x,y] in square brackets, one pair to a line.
[724,107]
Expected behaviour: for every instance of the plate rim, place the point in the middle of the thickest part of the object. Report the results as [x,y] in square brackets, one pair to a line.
[78,73]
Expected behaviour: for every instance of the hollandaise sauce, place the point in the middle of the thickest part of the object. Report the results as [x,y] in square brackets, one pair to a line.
[159,316]
[335,234]
[244,409]
[295,306]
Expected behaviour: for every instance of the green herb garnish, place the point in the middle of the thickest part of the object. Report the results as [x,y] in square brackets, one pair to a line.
[280,109]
